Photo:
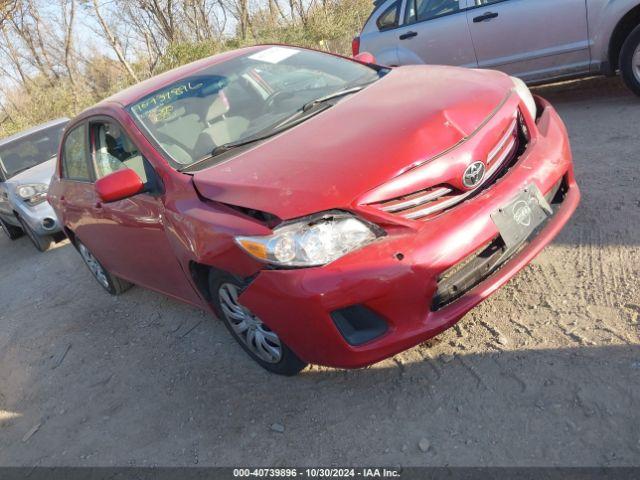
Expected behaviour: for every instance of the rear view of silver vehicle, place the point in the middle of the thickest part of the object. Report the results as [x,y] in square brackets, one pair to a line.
[581,37]
[27,163]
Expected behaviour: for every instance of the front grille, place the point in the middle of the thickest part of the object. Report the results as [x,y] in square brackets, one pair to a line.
[477,267]
[431,201]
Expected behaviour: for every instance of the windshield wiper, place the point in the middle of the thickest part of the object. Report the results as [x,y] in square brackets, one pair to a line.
[225,147]
[331,96]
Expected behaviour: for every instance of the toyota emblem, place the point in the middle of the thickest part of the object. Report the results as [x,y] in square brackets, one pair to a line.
[473,175]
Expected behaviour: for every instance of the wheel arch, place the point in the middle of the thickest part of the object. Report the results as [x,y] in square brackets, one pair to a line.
[620,33]
[201,274]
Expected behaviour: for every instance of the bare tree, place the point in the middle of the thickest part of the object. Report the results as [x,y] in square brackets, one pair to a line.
[7,8]
[24,28]
[39,38]
[113,41]
[194,13]
[13,56]
[164,13]
[68,16]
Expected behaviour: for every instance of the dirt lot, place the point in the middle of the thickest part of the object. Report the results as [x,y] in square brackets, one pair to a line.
[546,372]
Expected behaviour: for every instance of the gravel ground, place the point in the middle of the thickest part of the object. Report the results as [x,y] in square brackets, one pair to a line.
[546,372]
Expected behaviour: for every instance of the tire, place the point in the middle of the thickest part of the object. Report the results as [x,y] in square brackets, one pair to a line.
[261,343]
[42,243]
[108,281]
[10,231]
[630,61]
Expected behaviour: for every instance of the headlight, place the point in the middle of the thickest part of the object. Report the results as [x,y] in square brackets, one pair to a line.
[525,94]
[311,242]
[34,193]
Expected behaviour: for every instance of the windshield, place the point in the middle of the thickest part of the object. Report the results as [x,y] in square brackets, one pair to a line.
[29,151]
[244,98]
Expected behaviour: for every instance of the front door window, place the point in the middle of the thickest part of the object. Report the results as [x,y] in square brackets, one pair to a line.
[114,150]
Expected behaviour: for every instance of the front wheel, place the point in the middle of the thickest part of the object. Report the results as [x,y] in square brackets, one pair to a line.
[111,283]
[630,61]
[10,231]
[42,243]
[254,336]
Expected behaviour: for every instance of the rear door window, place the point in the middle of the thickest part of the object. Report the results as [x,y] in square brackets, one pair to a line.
[389,18]
[75,165]
[420,10]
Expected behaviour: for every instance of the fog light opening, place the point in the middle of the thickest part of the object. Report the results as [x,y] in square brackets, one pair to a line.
[48,223]
[358,324]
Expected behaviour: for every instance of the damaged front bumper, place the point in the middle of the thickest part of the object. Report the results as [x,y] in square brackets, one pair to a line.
[406,287]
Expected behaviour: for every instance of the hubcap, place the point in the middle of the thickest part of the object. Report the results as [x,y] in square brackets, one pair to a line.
[94,266]
[635,63]
[249,328]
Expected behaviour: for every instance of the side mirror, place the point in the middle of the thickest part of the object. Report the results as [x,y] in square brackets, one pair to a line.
[365,57]
[119,185]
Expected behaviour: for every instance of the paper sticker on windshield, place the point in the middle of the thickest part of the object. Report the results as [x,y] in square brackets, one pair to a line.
[274,54]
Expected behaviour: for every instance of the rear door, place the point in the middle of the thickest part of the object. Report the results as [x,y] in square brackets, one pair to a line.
[74,194]
[379,35]
[435,32]
[531,39]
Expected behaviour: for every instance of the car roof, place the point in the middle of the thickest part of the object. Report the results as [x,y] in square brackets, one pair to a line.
[136,92]
[36,129]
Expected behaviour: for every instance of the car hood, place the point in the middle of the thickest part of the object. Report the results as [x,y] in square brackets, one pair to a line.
[403,120]
[41,173]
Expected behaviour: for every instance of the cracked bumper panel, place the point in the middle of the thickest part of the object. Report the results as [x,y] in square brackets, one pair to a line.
[41,218]
[400,289]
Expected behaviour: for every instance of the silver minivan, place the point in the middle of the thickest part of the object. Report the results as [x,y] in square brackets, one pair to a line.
[536,40]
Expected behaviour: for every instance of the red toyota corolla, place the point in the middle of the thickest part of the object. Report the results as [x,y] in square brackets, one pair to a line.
[328,210]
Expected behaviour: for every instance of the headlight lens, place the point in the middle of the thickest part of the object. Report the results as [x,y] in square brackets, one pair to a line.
[526,96]
[33,194]
[311,242]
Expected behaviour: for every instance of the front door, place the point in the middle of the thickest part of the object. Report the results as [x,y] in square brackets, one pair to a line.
[129,236]
[531,39]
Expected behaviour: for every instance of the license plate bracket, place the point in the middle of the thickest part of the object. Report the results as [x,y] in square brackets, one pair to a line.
[518,219]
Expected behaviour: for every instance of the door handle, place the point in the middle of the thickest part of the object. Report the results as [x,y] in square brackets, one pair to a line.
[486,16]
[410,34]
